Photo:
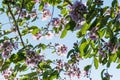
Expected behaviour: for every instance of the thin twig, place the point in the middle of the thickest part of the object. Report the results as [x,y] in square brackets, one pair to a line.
[68,2]
[16,25]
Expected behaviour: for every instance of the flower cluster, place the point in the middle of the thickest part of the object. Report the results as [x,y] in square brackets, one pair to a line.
[45,14]
[7,73]
[56,22]
[32,58]
[92,34]
[60,65]
[40,35]
[61,49]
[72,70]
[78,11]
[7,48]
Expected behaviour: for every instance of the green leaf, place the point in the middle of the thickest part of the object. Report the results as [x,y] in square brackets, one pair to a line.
[96,64]
[1,9]
[54,75]
[41,6]
[30,5]
[30,75]
[102,32]
[64,33]
[64,11]
[87,68]
[114,57]
[35,31]
[84,29]
[71,51]
[23,67]
[71,25]
[5,65]
[118,66]
[83,47]
[24,32]
[102,73]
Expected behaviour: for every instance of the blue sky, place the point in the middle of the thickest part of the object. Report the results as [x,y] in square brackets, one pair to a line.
[68,40]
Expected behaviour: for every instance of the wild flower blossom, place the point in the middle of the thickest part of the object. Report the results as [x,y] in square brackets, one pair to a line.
[78,10]
[7,46]
[49,35]
[102,53]
[61,49]
[92,34]
[7,73]
[32,58]
[23,14]
[33,14]
[60,65]
[7,49]
[56,22]
[72,70]
[45,14]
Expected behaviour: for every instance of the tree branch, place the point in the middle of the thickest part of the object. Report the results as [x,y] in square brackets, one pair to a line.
[16,25]
[68,2]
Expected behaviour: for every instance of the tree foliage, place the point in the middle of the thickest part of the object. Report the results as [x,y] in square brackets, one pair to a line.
[96,24]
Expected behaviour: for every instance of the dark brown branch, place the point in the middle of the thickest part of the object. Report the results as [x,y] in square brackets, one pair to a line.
[16,25]
[68,2]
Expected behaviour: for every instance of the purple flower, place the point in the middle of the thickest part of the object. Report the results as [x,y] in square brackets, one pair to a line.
[78,10]
[56,22]
[49,35]
[102,53]
[7,48]
[59,65]
[45,14]
[7,73]
[6,54]
[93,36]
[32,58]
[33,14]
[61,49]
